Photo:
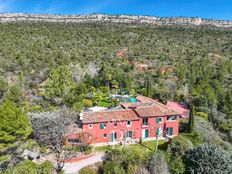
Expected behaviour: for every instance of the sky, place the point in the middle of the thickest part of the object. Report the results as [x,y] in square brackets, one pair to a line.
[211,9]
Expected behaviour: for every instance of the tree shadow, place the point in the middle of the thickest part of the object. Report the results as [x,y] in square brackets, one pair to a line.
[147,147]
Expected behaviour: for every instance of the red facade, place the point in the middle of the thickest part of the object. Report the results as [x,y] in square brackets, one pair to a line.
[136,131]
[144,119]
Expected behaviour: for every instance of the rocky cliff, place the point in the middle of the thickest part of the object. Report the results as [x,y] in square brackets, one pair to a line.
[102,18]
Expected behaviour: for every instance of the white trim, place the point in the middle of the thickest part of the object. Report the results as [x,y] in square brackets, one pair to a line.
[90,126]
[129,125]
[104,135]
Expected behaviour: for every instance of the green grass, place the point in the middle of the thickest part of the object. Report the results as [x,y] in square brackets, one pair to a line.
[147,145]
[105,148]
[104,103]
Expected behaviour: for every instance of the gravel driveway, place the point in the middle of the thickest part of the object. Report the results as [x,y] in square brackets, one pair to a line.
[74,168]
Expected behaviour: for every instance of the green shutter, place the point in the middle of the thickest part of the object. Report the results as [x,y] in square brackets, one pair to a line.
[111,137]
[171,131]
[102,126]
[158,120]
[146,133]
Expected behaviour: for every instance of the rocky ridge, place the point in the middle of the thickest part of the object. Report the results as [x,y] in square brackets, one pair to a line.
[103,18]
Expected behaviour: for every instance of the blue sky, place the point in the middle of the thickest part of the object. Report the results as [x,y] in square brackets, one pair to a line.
[216,9]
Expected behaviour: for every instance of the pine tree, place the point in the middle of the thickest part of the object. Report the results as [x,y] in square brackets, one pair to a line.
[60,83]
[15,124]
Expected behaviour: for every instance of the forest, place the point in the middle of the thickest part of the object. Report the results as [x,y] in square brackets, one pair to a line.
[46,67]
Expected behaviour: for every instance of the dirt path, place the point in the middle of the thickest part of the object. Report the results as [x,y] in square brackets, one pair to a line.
[74,168]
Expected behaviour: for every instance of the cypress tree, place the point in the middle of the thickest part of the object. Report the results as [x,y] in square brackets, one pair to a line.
[148,86]
[191,119]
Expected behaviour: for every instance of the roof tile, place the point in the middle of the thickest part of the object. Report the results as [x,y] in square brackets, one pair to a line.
[109,116]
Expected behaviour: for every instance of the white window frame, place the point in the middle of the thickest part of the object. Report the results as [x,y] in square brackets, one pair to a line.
[174,116]
[128,125]
[116,124]
[90,126]
[104,135]
[145,125]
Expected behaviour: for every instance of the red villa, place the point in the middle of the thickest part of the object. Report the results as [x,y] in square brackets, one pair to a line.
[142,120]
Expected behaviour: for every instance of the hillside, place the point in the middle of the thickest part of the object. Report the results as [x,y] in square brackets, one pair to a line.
[201,57]
[57,66]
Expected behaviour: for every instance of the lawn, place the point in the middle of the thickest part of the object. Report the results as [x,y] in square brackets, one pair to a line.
[147,145]
[104,103]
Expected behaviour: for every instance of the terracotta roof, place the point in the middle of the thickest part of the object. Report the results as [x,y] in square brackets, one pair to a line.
[180,108]
[127,105]
[137,104]
[154,110]
[144,99]
[109,115]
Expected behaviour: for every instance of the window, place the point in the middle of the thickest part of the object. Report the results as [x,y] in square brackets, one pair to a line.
[159,120]
[102,126]
[172,118]
[90,126]
[113,137]
[145,121]
[105,135]
[115,124]
[129,134]
[169,131]
[129,123]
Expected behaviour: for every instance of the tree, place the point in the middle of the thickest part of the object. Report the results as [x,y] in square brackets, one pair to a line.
[15,124]
[60,83]
[50,129]
[31,167]
[191,119]
[14,130]
[148,86]
[209,159]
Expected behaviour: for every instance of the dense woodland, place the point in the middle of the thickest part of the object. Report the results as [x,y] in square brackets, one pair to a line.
[80,66]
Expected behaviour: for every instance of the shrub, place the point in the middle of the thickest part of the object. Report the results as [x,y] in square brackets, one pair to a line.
[176,165]
[87,103]
[77,106]
[31,167]
[129,155]
[158,165]
[92,169]
[179,146]
[203,115]
[112,167]
[183,125]
[209,159]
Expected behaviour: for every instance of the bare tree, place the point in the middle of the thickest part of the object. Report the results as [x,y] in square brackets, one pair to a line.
[49,129]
